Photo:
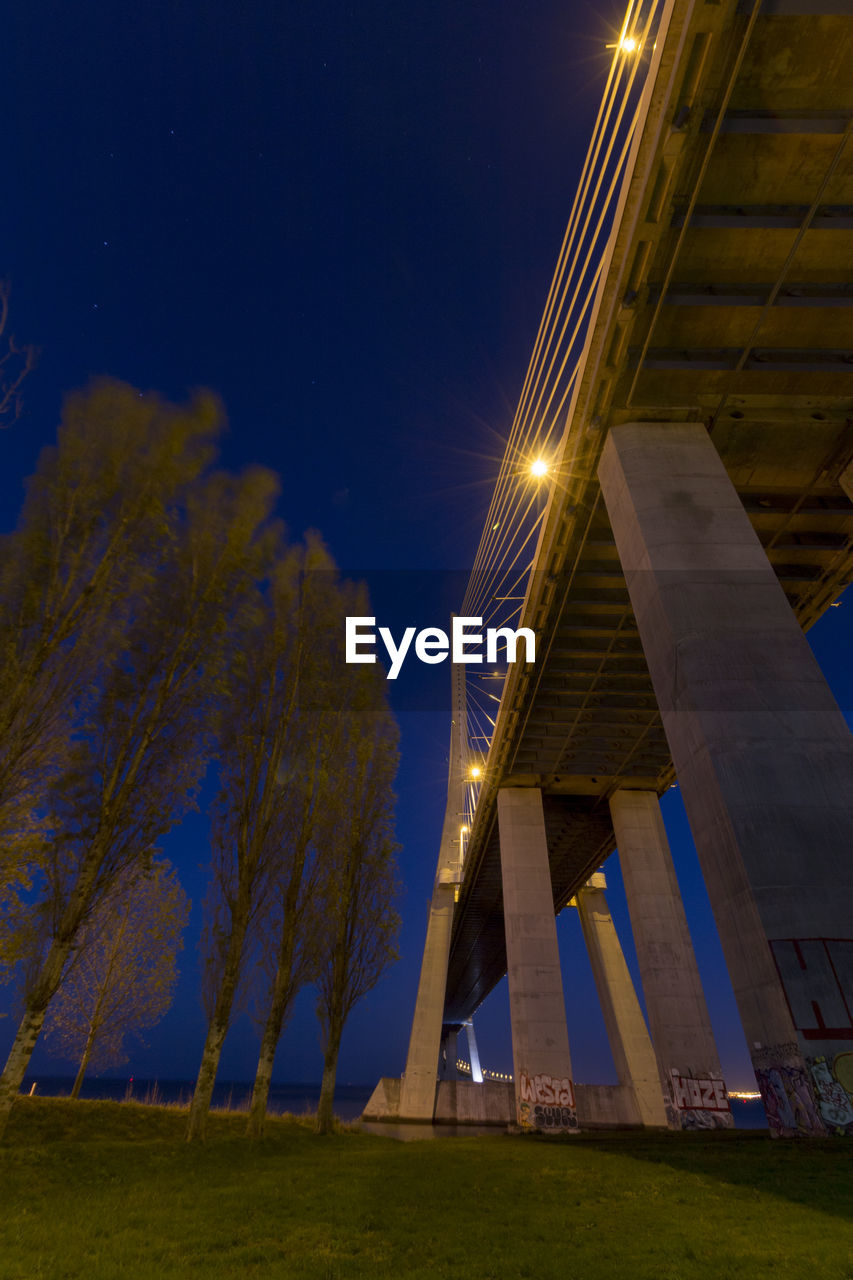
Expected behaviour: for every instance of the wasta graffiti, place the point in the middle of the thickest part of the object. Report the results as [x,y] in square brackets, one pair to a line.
[546,1103]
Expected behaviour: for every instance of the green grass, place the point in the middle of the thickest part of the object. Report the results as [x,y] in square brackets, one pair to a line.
[109,1191]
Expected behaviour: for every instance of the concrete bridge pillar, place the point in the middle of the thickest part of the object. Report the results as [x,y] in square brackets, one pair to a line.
[449,1055]
[544,1091]
[675,1002]
[763,755]
[473,1053]
[633,1055]
[417,1094]
[418,1088]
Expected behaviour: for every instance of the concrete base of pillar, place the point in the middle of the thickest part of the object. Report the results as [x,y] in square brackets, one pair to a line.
[461,1102]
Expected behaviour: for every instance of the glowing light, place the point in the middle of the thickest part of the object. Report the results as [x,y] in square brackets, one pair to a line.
[476,771]
[625,44]
[538,468]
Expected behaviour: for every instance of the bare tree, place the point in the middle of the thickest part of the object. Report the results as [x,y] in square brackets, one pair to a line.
[123,973]
[360,883]
[146,735]
[16,361]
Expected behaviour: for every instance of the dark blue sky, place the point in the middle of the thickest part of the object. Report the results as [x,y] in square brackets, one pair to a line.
[344,219]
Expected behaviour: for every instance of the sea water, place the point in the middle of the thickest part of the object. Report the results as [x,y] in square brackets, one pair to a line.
[298,1099]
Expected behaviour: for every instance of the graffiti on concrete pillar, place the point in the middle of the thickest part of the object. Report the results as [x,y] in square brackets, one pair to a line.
[787,1091]
[546,1103]
[700,1102]
[833,1086]
[817,977]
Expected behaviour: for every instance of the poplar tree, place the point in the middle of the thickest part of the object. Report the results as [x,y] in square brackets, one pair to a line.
[357,941]
[123,973]
[276,736]
[96,504]
[309,779]
[144,731]
[247,821]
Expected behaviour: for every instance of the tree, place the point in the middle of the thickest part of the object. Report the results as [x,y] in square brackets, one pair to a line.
[123,974]
[259,853]
[144,734]
[308,779]
[16,362]
[257,704]
[360,884]
[98,502]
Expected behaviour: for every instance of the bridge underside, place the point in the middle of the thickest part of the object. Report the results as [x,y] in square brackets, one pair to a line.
[728,302]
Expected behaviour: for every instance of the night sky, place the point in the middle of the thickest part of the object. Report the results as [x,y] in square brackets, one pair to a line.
[344,219]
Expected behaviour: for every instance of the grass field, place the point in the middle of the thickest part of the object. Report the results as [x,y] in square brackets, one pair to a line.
[109,1191]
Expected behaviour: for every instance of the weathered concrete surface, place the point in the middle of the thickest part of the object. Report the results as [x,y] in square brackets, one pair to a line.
[763,755]
[449,1055]
[384,1103]
[464,1102]
[540,1042]
[419,1079]
[493,1103]
[607,1106]
[419,1082]
[633,1055]
[675,1002]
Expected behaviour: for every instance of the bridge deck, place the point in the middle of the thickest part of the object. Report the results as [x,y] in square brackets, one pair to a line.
[728,301]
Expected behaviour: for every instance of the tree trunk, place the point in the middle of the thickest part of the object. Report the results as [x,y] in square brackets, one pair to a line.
[18,1061]
[263,1077]
[280,998]
[203,1092]
[325,1112]
[281,995]
[84,1061]
[31,1023]
[216,1032]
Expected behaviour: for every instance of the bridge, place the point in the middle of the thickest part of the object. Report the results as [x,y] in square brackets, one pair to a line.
[674,509]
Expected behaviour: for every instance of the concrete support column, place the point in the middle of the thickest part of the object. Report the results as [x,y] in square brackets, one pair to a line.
[418,1087]
[417,1094]
[449,1055]
[675,1002]
[473,1054]
[633,1055]
[544,1092]
[763,755]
